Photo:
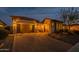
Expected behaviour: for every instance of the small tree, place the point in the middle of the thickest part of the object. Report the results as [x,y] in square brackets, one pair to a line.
[69,15]
[63,13]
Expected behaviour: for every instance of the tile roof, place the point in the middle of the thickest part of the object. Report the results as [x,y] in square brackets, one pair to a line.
[2,22]
[25,18]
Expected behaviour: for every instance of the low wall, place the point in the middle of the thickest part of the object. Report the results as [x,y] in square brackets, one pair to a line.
[72,27]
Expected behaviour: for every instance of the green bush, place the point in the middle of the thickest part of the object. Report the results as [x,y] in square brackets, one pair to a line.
[3,34]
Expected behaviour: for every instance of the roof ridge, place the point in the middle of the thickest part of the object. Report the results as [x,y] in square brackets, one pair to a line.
[24,17]
[3,22]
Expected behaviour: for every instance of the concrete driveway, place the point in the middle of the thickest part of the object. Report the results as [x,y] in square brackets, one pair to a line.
[38,42]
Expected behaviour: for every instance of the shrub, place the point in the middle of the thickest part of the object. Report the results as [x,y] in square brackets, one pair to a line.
[9,28]
[70,33]
[3,34]
[61,30]
[76,32]
[57,32]
[65,30]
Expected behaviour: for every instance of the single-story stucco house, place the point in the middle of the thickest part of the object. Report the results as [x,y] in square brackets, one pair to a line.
[23,24]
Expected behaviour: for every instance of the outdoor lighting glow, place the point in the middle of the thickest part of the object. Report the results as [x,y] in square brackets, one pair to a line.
[20,25]
[1,25]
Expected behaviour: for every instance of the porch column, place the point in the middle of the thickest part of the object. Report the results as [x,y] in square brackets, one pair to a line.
[14,27]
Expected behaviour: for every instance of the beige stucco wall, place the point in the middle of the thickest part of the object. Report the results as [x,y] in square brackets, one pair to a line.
[48,25]
[25,25]
[74,27]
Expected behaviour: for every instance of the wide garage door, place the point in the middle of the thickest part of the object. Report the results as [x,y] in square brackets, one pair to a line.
[25,28]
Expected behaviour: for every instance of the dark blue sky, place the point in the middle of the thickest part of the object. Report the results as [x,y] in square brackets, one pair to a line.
[32,12]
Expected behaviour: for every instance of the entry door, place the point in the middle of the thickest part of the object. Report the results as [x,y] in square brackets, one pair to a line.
[55,27]
[33,28]
[18,28]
